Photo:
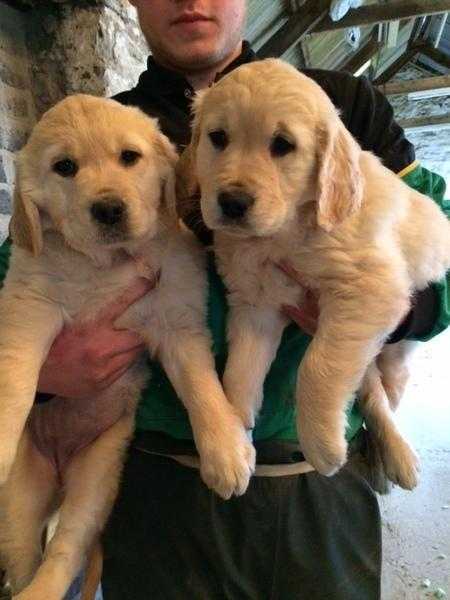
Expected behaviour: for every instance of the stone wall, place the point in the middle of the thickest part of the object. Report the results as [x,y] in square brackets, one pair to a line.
[17,111]
[96,48]
[54,49]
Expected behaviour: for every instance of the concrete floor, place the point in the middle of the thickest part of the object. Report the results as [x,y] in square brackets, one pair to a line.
[416,525]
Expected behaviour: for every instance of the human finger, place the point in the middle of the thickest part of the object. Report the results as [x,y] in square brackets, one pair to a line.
[304,320]
[289,270]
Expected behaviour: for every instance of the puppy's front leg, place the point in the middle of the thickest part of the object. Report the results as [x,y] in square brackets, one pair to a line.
[227,458]
[351,331]
[254,334]
[28,327]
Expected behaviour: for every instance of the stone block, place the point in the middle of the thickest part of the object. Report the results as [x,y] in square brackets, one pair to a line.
[8,76]
[14,106]
[13,138]
[12,38]
[3,178]
[5,201]
[4,222]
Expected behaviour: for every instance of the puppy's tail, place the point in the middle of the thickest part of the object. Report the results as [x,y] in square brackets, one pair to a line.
[367,463]
[376,473]
[93,573]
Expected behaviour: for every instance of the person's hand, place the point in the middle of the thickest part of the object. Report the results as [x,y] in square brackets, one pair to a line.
[307,314]
[87,359]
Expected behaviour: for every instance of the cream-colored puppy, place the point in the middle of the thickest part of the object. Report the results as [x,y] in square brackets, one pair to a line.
[282,179]
[93,211]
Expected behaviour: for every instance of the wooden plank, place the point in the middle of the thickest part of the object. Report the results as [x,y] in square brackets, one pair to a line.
[364,54]
[415,85]
[297,26]
[420,124]
[409,54]
[381,13]
[436,55]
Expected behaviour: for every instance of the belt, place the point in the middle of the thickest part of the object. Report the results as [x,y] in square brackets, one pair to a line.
[261,470]
[274,458]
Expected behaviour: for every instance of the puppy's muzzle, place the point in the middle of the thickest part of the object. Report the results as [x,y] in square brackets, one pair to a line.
[235,204]
[109,211]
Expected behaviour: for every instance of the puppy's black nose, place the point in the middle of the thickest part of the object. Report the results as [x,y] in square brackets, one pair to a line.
[108,212]
[234,205]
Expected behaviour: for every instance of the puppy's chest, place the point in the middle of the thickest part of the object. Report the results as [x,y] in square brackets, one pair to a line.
[250,269]
[83,290]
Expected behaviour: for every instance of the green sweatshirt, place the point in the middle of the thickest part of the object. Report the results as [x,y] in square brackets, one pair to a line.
[161,410]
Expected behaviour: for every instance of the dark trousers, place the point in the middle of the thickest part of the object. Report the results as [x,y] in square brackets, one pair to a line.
[304,537]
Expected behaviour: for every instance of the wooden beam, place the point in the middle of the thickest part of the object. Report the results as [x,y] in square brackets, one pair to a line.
[409,54]
[360,57]
[381,13]
[436,55]
[420,124]
[415,85]
[297,26]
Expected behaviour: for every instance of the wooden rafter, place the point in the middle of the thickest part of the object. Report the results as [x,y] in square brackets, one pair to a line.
[409,54]
[426,123]
[436,55]
[381,13]
[295,28]
[428,84]
[360,57]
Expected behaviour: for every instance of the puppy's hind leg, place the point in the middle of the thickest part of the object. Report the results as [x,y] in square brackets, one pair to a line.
[91,483]
[26,502]
[393,365]
[399,459]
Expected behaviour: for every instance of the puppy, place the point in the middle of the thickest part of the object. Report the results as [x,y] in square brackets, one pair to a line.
[93,210]
[282,179]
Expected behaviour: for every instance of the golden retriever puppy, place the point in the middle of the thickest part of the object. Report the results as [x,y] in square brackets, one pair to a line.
[282,179]
[93,211]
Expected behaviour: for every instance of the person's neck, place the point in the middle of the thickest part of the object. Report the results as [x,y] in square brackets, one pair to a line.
[203,78]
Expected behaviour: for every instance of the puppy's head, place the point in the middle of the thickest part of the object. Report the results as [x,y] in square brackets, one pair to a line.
[266,140]
[98,172]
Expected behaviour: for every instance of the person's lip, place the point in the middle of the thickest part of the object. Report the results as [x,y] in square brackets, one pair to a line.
[190,18]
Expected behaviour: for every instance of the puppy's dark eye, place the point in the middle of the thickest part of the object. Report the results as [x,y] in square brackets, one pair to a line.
[129,157]
[66,167]
[280,146]
[219,139]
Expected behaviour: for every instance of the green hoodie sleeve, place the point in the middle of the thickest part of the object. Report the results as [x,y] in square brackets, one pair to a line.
[433,185]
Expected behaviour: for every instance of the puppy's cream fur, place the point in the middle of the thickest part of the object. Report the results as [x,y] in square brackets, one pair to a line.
[65,267]
[353,230]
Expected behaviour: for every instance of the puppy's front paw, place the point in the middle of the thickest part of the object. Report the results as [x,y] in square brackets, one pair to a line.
[325,448]
[227,460]
[401,463]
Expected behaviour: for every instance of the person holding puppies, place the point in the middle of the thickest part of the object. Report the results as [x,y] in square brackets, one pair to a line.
[297,535]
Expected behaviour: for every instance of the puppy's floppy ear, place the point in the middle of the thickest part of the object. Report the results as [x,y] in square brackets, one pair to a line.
[340,184]
[25,226]
[187,186]
[169,157]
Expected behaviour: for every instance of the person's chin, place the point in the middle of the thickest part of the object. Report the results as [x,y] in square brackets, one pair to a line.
[196,50]
[199,53]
